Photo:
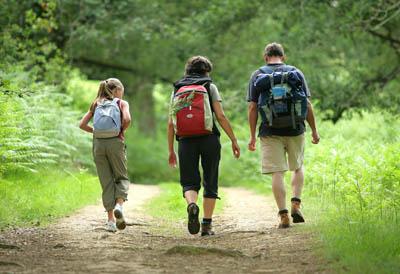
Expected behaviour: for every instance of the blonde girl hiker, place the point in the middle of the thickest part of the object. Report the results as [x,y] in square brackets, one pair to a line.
[111,118]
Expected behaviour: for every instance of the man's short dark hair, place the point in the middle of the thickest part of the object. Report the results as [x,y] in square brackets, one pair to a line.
[198,65]
[274,49]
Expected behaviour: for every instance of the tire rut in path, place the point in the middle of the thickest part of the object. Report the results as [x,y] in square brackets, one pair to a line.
[247,241]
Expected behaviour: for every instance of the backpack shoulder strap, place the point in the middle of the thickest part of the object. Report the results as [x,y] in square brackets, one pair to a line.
[207,85]
[270,69]
[271,80]
[119,103]
[215,129]
[290,68]
[265,69]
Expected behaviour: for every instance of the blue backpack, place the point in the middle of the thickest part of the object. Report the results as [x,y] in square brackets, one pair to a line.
[283,100]
[107,119]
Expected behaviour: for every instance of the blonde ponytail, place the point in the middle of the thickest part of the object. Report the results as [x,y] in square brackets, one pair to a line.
[107,90]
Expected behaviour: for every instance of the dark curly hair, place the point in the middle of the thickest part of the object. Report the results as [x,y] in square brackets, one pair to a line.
[198,65]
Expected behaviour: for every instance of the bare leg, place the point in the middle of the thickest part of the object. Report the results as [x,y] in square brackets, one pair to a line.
[208,206]
[278,188]
[297,186]
[110,214]
[297,182]
[191,196]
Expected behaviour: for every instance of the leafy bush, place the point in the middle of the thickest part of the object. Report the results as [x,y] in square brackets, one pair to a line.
[353,185]
[38,124]
[357,166]
[40,129]
[81,90]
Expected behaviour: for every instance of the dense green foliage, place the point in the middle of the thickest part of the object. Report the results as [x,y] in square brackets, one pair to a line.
[37,117]
[349,50]
[37,130]
[39,135]
[357,166]
[146,43]
[353,181]
[35,199]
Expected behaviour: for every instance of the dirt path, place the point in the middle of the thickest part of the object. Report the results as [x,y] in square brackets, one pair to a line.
[247,241]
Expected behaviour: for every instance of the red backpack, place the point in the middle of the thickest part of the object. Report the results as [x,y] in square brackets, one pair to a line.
[191,111]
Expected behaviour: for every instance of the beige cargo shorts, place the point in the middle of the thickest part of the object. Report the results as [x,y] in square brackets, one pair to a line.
[280,153]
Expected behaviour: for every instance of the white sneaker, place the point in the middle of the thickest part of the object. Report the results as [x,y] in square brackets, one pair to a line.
[111,227]
[119,216]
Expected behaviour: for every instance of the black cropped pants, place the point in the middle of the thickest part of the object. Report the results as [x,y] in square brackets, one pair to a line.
[191,151]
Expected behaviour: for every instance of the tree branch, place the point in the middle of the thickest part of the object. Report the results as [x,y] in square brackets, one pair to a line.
[380,80]
[99,63]
[388,38]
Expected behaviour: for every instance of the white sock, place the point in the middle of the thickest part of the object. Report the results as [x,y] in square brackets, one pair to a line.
[119,207]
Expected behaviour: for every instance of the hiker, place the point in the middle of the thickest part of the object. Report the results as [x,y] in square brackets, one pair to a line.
[194,102]
[280,94]
[111,118]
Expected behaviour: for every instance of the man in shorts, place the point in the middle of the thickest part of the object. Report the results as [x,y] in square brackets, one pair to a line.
[281,148]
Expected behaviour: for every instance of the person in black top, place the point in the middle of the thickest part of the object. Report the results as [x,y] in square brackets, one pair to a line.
[281,148]
[205,147]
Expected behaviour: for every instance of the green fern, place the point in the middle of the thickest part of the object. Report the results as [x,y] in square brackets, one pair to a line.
[38,130]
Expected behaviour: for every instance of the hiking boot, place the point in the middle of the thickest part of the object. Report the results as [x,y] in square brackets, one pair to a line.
[193,218]
[111,227]
[119,216]
[284,215]
[295,211]
[206,230]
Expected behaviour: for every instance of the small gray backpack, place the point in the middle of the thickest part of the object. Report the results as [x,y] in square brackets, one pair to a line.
[107,119]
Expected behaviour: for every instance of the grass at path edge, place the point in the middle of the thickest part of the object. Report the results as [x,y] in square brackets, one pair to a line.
[169,205]
[351,243]
[32,199]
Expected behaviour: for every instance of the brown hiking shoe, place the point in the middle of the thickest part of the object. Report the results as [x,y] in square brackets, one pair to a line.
[284,215]
[206,230]
[295,211]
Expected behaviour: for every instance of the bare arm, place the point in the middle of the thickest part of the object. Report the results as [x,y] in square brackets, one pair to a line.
[252,116]
[226,126]
[223,121]
[126,116]
[84,123]
[171,136]
[311,121]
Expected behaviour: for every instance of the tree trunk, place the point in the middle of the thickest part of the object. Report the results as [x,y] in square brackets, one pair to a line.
[142,105]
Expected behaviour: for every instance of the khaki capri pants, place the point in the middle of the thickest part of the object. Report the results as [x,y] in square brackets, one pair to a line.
[110,158]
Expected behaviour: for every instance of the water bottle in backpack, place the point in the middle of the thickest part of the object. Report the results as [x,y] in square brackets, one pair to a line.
[282,102]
